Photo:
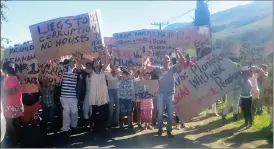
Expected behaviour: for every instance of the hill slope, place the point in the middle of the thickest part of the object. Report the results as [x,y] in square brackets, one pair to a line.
[251,22]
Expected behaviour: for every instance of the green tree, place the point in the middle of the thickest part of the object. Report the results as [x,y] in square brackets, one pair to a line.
[202,18]
[202,14]
[4,19]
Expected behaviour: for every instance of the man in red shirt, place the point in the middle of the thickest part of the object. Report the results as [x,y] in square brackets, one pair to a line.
[188,62]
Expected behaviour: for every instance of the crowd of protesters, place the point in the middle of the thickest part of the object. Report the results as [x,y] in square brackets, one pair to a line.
[98,96]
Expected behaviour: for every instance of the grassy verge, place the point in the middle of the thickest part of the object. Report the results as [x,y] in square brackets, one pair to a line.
[232,134]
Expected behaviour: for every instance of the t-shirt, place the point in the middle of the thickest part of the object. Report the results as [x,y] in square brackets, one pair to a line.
[69,83]
[245,87]
[187,64]
[126,88]
[112,81]
[15,99]
[166,81]
[12,104]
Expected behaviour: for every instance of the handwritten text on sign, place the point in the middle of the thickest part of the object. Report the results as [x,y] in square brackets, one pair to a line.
[145,89]
[204,83]
[251,54]
[193,37]
[26,65]
[130,57]
[53,73]
[66,35]
[266,95]
[131,39]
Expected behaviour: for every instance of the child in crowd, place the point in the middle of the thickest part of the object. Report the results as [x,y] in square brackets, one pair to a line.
[137,108]
[125,96]
[47,102]
[147,105]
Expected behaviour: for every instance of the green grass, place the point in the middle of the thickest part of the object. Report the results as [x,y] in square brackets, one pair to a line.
[229,133]
[259,131]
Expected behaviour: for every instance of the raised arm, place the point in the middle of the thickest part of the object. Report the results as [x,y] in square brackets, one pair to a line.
[180,57]
[107,58]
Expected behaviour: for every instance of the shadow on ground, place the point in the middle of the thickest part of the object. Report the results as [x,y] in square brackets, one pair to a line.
[252,136]
[126,139]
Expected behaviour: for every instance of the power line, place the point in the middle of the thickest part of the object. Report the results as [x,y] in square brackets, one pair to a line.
[160,24]
[179,16]
[183,14]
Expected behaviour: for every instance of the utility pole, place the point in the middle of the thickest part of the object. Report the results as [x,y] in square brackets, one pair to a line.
[160,24]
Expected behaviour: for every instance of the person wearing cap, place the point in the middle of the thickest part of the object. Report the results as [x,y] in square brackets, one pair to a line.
[245,87]
[68,96]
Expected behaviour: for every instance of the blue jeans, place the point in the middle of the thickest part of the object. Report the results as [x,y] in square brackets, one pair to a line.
[162,100]
[113,101]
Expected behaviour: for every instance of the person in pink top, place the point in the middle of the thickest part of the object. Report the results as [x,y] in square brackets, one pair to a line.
[12,102]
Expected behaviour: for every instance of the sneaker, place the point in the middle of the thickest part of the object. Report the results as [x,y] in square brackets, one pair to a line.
[169,135]
[223,117]
[183,125]
[235,117]
[160,132]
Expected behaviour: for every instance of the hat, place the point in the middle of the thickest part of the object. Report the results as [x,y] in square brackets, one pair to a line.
[71,59]
[244,68]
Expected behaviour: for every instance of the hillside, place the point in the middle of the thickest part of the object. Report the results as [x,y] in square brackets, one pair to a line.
[251,22]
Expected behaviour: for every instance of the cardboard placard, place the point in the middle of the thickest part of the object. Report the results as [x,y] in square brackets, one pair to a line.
[26,65]
[266,94]
[193,37]
[51,72]
[163,42]
[149,91]
[129,57]
[203,83]
[67,35]
[252,54]
[131,39]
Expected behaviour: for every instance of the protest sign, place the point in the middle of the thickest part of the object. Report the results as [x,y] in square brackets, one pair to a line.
[250,54]
[203,83]
[66,35]
[158,55]
[266,94]
[109,41]
[131,39]
[53,73]
[25,62]
[193,37]
[129,57]
[161,43]
[229,47]
[145,89]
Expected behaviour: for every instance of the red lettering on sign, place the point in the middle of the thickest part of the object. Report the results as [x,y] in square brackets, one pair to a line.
[183,92]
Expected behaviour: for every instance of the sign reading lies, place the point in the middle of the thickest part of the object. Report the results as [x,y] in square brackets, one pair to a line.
[203,83]
[25,62]
[53,73]
[67,35]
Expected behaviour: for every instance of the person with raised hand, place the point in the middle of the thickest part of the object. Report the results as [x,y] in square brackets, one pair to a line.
[166,90]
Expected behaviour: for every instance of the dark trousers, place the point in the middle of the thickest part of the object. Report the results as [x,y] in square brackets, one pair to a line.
[246,105]
[99,116]
[174,60]
[177,119]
